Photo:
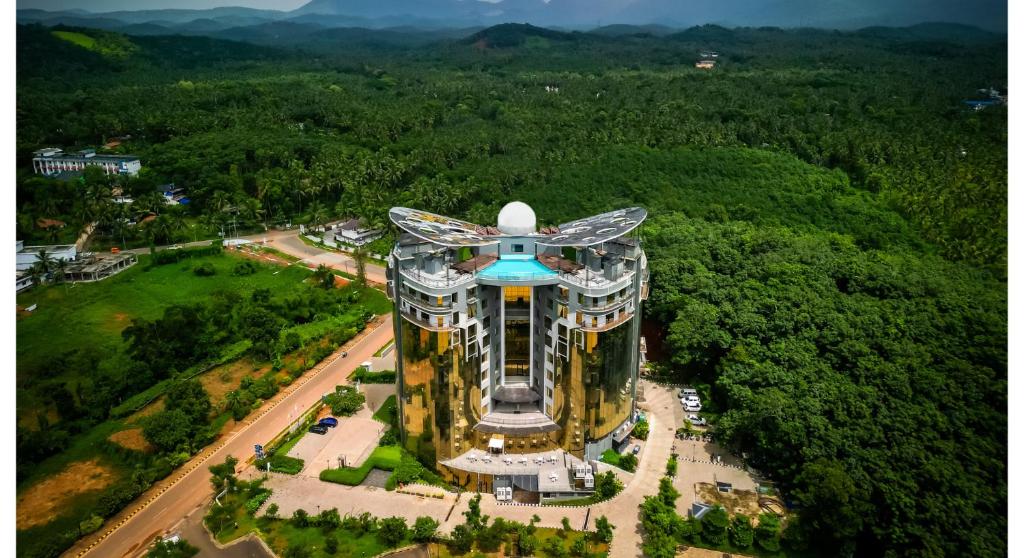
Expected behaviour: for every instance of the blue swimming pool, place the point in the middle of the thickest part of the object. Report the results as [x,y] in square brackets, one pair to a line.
[516,267]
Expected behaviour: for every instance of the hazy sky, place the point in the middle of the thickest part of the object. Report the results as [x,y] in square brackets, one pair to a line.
[114,5]
[839,13]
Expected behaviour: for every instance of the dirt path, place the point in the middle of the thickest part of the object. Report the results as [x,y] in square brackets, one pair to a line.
[38,505]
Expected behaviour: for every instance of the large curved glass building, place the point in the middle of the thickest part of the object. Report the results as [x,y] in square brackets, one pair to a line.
[518,349]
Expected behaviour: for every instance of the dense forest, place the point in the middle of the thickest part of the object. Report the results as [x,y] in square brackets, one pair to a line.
[828,218]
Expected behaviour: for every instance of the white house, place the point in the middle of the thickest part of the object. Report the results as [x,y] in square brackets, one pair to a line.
[29,255]
[353,232]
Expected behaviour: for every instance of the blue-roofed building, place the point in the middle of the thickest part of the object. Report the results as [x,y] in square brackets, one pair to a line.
[519,342]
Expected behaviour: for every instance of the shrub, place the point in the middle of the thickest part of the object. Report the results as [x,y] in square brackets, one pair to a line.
[390,438]
[461,539]
[715,524]
[300,518]
[204,269]
[604,529]
[641,430]
[331,545]
[90,525]
[579,547]
[767,532]
[272,511]
[424,529]
[672,467]
[607,485]
[329,519]
[381,377]
[741,532]
[244,267]
[555,547]
[345,401]
[252,505]
[628,462]
[392,530]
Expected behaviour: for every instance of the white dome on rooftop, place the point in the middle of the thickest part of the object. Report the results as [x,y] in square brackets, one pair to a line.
[517,218]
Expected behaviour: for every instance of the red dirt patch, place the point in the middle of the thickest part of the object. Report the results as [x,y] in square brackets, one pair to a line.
[222,379]
[736,501]
[131,439]
[137,416]
[42,502]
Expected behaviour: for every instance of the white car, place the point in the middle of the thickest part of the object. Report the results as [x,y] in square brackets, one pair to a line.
[693,406]
[696,420]
[687,392]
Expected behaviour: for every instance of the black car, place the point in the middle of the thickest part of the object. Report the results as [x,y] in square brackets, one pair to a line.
[318,429]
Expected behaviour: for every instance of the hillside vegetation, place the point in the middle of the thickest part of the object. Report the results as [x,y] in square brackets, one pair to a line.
[828,219]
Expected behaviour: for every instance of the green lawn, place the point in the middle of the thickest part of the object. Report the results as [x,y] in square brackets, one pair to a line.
[94,314]
[281,534]
[384,457]
[388,412]
[610,457]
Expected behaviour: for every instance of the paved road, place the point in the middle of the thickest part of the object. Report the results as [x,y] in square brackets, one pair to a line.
[289,243]
[177,496]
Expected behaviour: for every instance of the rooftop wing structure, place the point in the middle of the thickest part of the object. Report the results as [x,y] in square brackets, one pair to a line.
[446,231]
[596,229]
[439,229]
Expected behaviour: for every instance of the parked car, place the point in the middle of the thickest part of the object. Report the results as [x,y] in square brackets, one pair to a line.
[696,420]
[636,449]
[329,422]
[685,392]
[691,406]
[318,429]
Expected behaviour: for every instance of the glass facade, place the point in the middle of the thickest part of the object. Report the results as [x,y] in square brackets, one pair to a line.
[440,393]
[604,365]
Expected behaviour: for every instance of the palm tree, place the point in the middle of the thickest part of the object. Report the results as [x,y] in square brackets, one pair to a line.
[220,201]
[59,270]
[43,264]
[359,256]
[317,213]
[150,202]
[251,210]
[163,228]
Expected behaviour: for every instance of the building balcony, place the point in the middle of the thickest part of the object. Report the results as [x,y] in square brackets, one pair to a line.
[444,279]
[430,324]
[430,305]
[595,280]
[623,318]
[607,306]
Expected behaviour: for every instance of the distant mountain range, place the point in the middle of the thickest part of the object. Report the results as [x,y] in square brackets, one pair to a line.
[656,17]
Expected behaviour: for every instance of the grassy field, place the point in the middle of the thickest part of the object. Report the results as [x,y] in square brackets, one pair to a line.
[63,489]
[107,44]
[94,314]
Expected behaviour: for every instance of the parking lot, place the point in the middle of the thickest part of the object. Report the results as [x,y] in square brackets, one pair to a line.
[352,440]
